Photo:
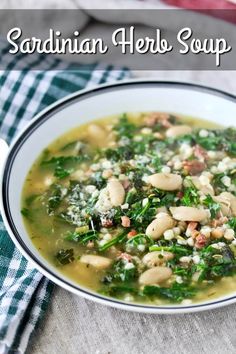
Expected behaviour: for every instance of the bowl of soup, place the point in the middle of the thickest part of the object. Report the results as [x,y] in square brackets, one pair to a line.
[125,194]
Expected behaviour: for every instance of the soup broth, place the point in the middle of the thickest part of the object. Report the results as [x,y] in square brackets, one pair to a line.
[140,207]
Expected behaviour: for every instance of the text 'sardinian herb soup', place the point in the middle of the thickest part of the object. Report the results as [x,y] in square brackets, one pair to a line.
[140,207]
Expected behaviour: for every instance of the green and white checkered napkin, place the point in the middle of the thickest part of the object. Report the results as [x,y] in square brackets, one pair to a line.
[24,91]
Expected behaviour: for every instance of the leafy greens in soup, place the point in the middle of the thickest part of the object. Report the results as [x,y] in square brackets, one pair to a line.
[140,207]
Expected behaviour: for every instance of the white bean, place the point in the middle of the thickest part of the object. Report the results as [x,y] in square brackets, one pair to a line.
[156,258]
[116,192]
[183,213]
[233,204]
[178,130]
[98,262]
[159,225]
[166,181]
[155,275]
[97,133]
[205,189]
[227,203]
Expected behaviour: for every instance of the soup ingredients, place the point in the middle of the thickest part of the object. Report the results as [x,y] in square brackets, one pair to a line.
[165,181]
[65,256]
[155,258]
[227,203]
[140,208]
[96,261]
[184,213]
[156,275]
[116,192]
[159,225]
[178,130]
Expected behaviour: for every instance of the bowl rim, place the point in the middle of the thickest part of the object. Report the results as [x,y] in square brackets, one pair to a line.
[15,146]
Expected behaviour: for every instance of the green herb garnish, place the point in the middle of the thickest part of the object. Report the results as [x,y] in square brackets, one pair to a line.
[65,256]
[212,206]
[118,239]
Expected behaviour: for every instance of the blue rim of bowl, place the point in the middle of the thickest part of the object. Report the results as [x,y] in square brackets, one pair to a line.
[45,116]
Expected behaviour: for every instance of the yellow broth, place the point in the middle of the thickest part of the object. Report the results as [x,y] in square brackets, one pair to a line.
[48,232]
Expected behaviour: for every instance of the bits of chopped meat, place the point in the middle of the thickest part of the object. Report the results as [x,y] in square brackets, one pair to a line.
[166,123]
[125,256]
[131,234]
[201,241]
[125,221]
[200,153]
[158,117]
[180,194]
[191,227]
[194,167]
[219,222]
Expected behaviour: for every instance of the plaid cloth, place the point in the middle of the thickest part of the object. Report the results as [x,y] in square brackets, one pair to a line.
[24,292]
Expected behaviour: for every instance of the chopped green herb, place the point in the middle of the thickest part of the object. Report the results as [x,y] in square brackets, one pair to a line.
[181,250]
[217,181]
[217,262]
[120,272]
[191,196]
[124,127]
[118,239]
[61,172]
[60,164]
[30,199]
[82,237]
[61,160]
[232,223]
[212,206]
[65,256]
[140,239]
[177,292]
[25,212]
[117,290]
[55,196]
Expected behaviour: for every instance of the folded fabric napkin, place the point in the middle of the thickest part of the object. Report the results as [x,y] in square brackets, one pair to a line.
[24,91]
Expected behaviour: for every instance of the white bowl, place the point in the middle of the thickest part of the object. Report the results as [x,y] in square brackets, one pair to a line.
[84,106]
